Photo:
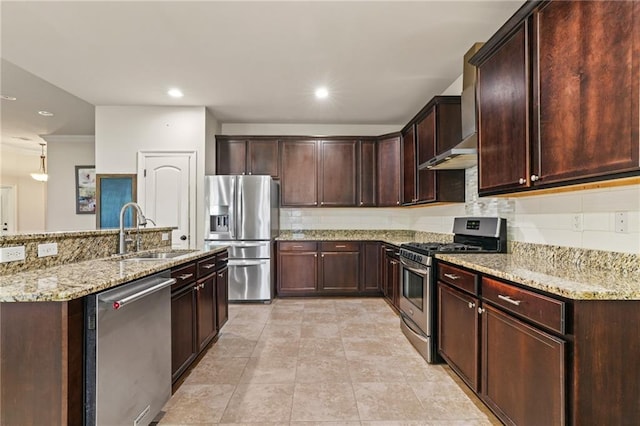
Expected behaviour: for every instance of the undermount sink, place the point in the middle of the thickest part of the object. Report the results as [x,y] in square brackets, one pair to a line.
[158,255]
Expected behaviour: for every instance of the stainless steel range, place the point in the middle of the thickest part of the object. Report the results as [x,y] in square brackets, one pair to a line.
[417,296]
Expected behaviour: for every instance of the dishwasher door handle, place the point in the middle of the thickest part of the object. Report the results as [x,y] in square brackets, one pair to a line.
[165,282]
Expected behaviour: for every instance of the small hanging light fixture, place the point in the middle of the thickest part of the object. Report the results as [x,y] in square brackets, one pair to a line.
[42,175]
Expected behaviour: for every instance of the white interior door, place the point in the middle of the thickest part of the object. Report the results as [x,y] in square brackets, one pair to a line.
[166,193]
[7,209]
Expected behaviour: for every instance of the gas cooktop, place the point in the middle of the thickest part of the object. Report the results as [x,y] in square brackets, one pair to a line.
[431,248]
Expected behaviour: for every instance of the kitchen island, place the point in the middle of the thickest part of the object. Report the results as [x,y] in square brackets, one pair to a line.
[42,327]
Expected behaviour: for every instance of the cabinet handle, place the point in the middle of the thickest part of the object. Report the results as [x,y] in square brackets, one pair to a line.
[297,246]
[197,288]
[340,246]
[472,305]
[535,178]
[388,250]
[209,265]
[361,203]
[510,300]
[398,202]
[221,275]
[315,255]
[522,181]
[322,255]
[452,276]
[481,310]
[185,276]
[249,172]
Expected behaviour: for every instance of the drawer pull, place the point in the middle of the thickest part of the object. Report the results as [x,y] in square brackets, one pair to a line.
[340,246]
[452,276]
[472,305]
[185,276]
[510,300]
[297,246]
[481,310]
[209,265]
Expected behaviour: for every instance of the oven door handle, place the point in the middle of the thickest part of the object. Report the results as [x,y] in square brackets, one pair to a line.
[419,271]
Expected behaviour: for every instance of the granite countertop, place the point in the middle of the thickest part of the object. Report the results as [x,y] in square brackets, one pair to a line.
[395,237]
[603,283]
[74,280]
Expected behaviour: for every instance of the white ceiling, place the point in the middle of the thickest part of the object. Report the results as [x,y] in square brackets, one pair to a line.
[251,62]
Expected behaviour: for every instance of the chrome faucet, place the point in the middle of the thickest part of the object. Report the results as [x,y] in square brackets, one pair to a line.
[142,221]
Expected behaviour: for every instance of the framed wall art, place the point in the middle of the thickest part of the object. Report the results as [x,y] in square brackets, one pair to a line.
[112,192]
[85,189]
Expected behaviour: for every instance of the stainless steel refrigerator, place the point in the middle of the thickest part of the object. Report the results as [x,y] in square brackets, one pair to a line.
[242,213]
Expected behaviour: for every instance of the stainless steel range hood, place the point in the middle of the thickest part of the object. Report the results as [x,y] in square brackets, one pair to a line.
[465,154]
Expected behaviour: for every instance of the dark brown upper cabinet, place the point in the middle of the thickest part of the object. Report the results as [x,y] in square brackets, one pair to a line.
[367,194]
[409,165]
[389,181]
[338,176]
[299,173]
[558,96]
[240,156]
[435,129]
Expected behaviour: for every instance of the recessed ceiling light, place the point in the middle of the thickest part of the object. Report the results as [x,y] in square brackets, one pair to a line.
[322,93]
[175,93]
[45,113]
[8,98]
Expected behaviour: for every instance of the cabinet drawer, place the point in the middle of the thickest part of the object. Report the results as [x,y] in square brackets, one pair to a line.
[297,246]
[339,246]
[540,309]
[457,277]
[206,266]
[183,275]
[222,259]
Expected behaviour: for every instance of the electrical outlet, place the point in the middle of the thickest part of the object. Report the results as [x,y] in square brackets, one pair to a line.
[622,222]
[576,222]
[49,249]
[11,254]
[165,236]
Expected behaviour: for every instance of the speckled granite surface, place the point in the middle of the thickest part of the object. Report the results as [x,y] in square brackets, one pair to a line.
[75,246]
[579,282]
[391,236]
[74,280]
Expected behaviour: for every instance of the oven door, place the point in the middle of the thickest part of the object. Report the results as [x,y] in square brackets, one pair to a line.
[415,294]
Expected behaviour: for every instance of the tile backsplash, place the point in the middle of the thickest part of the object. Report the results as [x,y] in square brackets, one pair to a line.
[581,219]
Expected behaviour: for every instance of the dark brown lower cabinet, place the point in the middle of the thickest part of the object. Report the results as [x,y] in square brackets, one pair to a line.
[222,297]
[523,374]
[206,310]
[324,268]
[458,333]
[390,274]
[339,271]
[183,332]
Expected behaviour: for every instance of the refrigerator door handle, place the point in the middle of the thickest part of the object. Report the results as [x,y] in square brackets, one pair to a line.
[232,209]
[247,262]
[240,208]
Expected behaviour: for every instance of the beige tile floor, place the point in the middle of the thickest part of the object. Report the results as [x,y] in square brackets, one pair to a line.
[320,362]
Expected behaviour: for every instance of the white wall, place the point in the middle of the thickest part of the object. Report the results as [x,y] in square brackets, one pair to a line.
[122,131]
[309,129]
[213,128]
[31,195]
[63,154]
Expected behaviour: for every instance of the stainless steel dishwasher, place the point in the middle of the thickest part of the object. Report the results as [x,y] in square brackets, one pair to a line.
[128,352]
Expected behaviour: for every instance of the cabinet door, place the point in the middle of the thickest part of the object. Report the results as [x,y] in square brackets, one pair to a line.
[339,271]
[299,173]
[222,297]
[458,333]
[588,64]
[409,166]
[231,157]
[338,173]
[262,158]
[183,332]
[523,375]
[389,171]
[206,310]
[426,141]
[367,181]
[297,272]
[503,116]
[370,266]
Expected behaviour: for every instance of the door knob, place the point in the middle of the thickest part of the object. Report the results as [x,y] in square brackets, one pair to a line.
[522,181]
[183,237]
[535,178]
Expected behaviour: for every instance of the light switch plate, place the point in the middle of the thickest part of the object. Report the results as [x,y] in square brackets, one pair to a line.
[165,236]
[622,222]
[49,249]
